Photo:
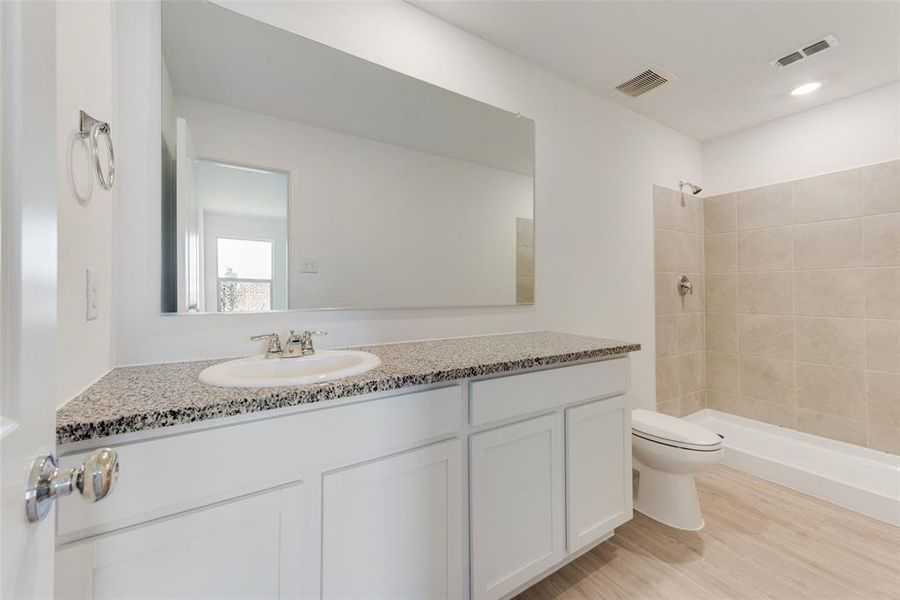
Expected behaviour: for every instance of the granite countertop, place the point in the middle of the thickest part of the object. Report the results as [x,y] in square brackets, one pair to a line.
[130,399]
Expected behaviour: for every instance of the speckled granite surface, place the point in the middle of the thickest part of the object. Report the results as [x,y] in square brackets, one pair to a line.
[144,397]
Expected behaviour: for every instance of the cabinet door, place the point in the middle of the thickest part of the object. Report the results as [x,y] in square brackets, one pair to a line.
[598,473]
[392,528]
[247,548]
[517,508]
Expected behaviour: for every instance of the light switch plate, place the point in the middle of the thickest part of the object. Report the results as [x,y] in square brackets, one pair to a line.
[309,264]
[91,294]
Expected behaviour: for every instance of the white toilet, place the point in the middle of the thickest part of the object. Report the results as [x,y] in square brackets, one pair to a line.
[667,452]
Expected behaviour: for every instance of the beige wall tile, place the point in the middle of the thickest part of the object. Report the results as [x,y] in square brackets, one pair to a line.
[883,397]
[765,250]
[665,250]
[667,209]
[524,261]
[524,290]
[524,232]
[667,299]
[691,403]
[882,345]
[884,438]
[767,379]
[720,214]
[833,245]
[852,431]
[723,372]
[670,407]
[830,341]
[721,292]
[690,253]
[883,293]
[692,372]
[767,335]
[721,253]
[690,332]
[827,197]
[831,390]
[770,293]
[693,215]
[767,412]
[695,302]
[667,383]
[881,188]
[666,335]
[768,206]
[881,240]
[721,332]
[831,293]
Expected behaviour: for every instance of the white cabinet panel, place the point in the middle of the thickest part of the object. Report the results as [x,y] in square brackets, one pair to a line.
[517,508]
[247,548]
[598,470]
[393,527]
[528,393]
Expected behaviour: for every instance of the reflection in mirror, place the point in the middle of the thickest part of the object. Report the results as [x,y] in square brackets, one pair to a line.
[297,177]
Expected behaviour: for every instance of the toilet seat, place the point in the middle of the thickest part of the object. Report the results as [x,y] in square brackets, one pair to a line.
[672,431]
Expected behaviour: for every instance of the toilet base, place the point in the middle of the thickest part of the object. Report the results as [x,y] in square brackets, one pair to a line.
[669,498]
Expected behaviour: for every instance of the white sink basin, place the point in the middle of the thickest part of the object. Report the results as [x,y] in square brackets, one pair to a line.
[259,371]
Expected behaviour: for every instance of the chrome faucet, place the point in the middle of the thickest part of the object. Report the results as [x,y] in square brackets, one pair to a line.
[274,348]
[300,344]
[296,345]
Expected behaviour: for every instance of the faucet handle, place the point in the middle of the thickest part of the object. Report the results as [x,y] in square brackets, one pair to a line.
[306,335]
[274,346]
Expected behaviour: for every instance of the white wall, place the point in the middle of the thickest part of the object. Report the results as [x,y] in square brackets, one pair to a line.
[595,165]
[860,130]
[389,226]
[84,37]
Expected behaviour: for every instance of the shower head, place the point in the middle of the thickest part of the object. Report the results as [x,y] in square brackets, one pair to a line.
[695,189]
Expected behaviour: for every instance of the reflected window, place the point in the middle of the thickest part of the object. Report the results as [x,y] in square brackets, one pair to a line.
[244,269]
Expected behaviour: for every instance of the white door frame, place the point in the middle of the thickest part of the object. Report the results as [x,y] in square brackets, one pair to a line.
[28,256]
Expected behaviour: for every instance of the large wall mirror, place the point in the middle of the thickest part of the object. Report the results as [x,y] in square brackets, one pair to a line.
[299,177]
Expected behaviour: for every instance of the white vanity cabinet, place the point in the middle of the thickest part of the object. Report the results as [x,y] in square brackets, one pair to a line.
[392,528]
[472,489]
[517,509]
[246,548]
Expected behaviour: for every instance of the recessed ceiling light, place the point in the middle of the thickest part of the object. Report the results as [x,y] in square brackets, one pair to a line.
[806,88]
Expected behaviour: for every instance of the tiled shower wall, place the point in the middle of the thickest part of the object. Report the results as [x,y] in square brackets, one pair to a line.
[802,305]
[680,359]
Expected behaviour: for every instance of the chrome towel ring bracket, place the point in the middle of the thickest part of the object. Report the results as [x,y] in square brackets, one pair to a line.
[91,129]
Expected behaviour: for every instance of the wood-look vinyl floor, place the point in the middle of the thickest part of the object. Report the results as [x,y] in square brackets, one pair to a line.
[761,540]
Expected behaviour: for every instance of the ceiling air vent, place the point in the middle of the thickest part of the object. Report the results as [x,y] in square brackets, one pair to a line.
[790,58]
[802,53]
[642,83]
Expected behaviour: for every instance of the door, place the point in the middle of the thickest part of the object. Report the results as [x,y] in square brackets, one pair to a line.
[598,470]
[245,548]
[190,276]
[517,510]
[392,528]
[28,299]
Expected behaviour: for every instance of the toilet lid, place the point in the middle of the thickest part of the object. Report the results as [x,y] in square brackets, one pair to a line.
[672,429]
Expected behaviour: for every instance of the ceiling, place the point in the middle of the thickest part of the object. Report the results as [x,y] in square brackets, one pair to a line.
[719,51]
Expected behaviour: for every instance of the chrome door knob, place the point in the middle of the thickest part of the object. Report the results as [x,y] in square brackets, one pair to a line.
[94,479]
[97,477]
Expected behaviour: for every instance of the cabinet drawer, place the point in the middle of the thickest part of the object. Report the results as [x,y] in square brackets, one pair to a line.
[167,475]
[506,397]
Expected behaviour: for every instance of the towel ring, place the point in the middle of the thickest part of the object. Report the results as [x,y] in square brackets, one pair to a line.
[92,129]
